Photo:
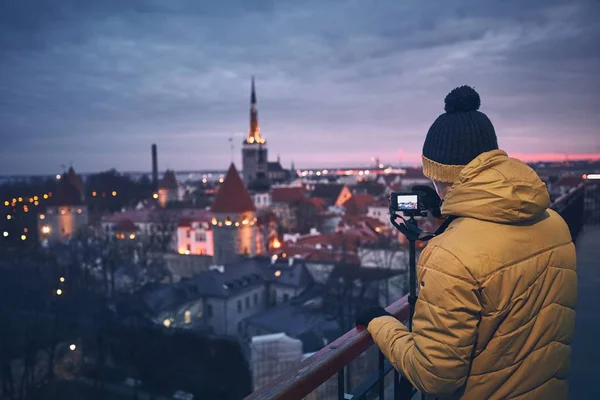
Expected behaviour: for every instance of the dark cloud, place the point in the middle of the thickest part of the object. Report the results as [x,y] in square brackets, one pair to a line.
[339,81]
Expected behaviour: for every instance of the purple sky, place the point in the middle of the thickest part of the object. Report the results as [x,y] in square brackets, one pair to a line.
[338,81]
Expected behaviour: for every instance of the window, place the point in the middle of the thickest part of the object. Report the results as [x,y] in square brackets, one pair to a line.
[239,306]
[247,303]
[286,297]
[200,237]
[255,299]
[187,317]
[209,310]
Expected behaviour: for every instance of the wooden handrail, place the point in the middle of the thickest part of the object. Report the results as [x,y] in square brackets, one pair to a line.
[317,369]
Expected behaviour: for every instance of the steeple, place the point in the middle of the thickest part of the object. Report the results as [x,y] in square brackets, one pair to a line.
[254,133]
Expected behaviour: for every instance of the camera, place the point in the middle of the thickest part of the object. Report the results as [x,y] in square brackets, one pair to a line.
[409,203]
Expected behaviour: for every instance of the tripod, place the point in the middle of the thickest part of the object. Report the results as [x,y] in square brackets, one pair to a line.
[411,230]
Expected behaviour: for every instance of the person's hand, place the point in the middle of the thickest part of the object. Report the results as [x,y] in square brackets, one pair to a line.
[431,200]
[369,314]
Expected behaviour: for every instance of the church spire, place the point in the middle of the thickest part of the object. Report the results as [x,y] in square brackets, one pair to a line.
[254,133]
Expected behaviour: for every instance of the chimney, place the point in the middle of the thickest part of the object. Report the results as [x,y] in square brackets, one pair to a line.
[154,169]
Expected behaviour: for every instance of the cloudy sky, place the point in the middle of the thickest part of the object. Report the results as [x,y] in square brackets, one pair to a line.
[96,83]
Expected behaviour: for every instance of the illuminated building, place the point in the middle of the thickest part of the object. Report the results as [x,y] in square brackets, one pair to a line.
[234,223]
[254,152]
[66,212]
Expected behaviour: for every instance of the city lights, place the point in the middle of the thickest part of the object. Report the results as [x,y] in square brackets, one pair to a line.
[593,176]
[45,229]
[20,199]
[132,236]
[79,211]
[59,292]
[94,194]
[114,193]
[5,234]
[23,237]
[187,252]
[7,203]
[72,347]
[276,243]
[37,203]
[167,323]
[45,196]
[36,198]
[62,279]
[57,176]
[155,195]
[25,208]
[9,217]
[42,216]
[277,273]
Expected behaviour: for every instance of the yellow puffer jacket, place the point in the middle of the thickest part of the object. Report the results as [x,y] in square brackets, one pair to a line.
[497,293]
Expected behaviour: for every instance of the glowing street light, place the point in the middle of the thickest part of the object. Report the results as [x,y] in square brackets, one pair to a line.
[7,203]
[23,237]
[9,217]
[114,193]
[62,279]
[59,292]
[46,229]
[155,195]
[72,347]
[57,176]
[167,323]
[5,234]
[132,236]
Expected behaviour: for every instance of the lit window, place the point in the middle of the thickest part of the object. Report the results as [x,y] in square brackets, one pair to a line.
[187,316]
[277,273]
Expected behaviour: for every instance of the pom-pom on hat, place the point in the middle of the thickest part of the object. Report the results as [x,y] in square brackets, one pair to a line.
[457,136]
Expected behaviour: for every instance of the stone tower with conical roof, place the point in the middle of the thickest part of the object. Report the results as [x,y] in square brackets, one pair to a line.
[254,151]
[234,220]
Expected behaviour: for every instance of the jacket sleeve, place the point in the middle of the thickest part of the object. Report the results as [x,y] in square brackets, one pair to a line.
[436,356]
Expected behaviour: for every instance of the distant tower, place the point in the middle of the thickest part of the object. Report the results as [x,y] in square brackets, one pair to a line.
[254,151]
[154,169]
[66,212]
[234,221]
[169,189]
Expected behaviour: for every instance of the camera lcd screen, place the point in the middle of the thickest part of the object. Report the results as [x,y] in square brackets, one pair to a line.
[407,202]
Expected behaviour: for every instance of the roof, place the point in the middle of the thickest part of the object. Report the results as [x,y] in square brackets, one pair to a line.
[232,197]
[235,278]
[569,181]
[328,191]
[69,190]
[359,221]
[301,318]
[274,166]
[287,194]
[169,180]
[125,225]
[359,204]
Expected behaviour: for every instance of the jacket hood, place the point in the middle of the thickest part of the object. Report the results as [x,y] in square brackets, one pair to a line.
[494,187]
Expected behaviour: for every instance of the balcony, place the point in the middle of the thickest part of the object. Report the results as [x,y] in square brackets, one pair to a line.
[324,374]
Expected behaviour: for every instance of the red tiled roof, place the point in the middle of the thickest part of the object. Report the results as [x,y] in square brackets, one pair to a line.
[359,204]
[361,220]
[232,196]
[185,223]
[569,181]
[287,194]
[319,203]
[125,225]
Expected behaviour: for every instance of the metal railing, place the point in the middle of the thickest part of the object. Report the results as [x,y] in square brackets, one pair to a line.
[335,358]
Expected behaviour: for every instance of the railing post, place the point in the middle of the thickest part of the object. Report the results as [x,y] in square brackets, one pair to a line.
[341,385]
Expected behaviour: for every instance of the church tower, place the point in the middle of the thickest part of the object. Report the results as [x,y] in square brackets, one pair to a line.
[254,151]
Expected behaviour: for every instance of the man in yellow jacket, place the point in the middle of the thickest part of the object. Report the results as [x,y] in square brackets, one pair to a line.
[495,313]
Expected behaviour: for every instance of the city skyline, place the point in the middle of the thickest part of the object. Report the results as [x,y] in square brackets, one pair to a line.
[337,82]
